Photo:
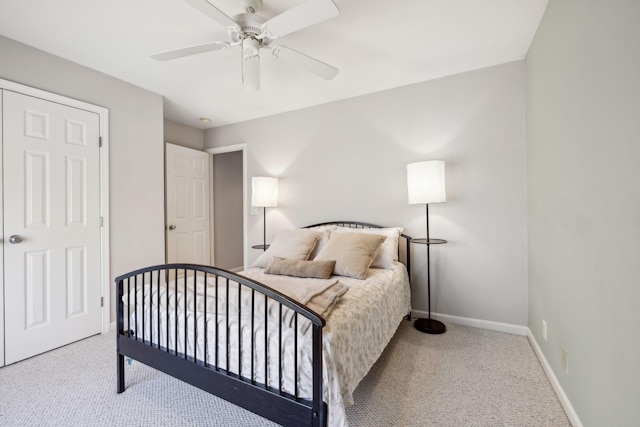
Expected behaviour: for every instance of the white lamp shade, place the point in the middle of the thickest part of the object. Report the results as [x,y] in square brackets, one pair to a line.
[264,191]
[425,181]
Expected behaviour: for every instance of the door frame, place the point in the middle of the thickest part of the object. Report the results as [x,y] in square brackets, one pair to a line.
[105,266]
[243,149]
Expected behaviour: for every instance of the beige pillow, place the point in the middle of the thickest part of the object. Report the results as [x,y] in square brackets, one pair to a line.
[298,268]
[388,252]
[353,253]
[289,244]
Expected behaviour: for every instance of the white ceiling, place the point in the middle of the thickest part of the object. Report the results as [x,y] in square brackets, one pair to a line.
[376,44]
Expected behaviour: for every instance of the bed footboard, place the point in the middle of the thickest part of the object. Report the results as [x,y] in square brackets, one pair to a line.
[226,334]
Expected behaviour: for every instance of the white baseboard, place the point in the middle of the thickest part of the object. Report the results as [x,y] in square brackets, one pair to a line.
[515,330]
[562,396]
[475,323]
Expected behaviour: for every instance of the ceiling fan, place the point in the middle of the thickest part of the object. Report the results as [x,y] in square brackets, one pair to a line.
[252,33]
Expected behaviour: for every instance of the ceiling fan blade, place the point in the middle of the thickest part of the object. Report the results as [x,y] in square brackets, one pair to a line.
[188,51]
[304,15]
[214,13]
[250,65]
[305,62]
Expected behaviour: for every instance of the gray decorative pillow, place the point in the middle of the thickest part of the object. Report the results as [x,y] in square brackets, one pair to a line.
[298,268]
[353,253]
[289,244]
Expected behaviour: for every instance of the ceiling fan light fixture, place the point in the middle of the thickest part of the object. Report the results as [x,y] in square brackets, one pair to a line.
[250,48]
[250,65]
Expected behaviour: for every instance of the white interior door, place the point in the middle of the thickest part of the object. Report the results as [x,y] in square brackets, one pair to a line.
[1,249]
[52,225]
[188,203]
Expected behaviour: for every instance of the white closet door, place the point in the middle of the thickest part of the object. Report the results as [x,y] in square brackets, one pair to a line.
[187,188]
[51,225]
[1,250]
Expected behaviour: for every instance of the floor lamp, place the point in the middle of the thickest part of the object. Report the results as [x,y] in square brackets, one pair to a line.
[264,194]
[425,182]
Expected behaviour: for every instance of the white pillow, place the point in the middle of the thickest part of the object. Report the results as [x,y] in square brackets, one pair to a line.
[325,231]
[388,252]
[352,252]
[289,244]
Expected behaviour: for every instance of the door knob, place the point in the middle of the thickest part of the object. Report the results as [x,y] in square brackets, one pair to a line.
[15,239]
[172,227]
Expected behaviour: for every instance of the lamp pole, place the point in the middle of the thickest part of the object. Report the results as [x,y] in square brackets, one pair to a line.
[264,227]
[428,265]
[429,325]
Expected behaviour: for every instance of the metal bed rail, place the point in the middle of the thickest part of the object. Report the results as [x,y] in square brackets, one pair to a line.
[154,327]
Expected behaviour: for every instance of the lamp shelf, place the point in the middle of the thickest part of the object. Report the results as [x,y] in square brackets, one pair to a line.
[424,241]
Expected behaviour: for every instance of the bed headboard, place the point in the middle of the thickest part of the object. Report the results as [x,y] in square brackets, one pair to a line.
[356,224]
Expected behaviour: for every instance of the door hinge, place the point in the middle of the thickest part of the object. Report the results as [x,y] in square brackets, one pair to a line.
[101,221]
[101,301]
[99,141]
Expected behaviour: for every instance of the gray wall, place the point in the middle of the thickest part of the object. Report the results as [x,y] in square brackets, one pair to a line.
[184,135]
[583,139]
[347,160]
[227,208]
[136,150]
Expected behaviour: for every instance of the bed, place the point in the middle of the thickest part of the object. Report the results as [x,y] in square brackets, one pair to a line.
[289,338]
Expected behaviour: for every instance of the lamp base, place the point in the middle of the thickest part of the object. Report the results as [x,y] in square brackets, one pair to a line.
[430,326]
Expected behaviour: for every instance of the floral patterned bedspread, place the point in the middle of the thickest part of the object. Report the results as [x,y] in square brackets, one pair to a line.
[357,331]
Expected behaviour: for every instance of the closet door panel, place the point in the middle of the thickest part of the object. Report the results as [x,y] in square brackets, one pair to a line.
[1,245]
[52,208]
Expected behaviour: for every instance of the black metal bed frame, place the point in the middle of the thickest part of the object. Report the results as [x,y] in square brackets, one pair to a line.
[243,390]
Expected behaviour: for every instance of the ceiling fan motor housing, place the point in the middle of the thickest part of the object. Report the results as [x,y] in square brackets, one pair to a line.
[250,27]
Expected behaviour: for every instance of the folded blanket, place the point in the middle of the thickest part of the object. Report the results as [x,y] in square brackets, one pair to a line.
[319,295]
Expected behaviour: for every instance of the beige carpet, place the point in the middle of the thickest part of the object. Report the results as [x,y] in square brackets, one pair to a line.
[466,377]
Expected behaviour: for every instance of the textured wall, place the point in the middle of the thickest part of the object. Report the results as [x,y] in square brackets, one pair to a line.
[347,160]
[184,135]
[583,146]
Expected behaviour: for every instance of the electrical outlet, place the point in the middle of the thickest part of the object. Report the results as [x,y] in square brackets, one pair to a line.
[565,359]
[544,330]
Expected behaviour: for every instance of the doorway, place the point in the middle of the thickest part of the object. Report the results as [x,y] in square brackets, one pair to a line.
[229,195]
